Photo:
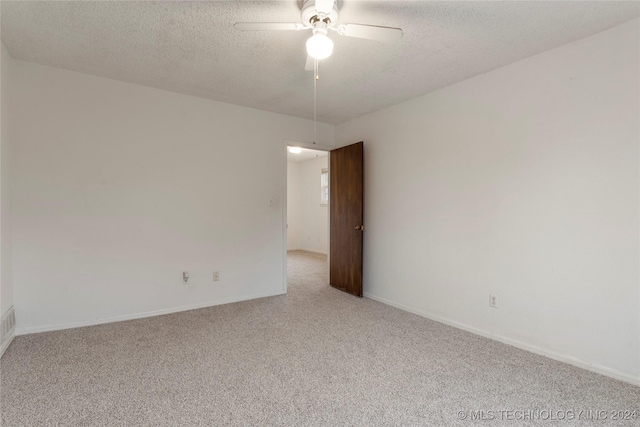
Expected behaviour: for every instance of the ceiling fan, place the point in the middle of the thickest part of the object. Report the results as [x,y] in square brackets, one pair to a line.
[319,16]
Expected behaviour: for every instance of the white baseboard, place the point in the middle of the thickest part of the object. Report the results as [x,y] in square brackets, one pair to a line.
[602,370]
[61,326]
[7,342]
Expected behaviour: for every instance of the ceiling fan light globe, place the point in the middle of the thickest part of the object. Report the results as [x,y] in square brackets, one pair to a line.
[319,46]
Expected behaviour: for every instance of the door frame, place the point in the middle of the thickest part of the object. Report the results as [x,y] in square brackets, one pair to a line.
[311,146]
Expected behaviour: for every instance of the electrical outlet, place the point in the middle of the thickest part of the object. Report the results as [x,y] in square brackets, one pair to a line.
[185,277]
[493,301]
[216,276]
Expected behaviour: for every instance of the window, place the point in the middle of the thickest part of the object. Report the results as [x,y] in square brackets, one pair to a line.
[324,187]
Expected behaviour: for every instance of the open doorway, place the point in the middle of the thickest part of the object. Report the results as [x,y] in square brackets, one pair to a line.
[343,238]
[307,211]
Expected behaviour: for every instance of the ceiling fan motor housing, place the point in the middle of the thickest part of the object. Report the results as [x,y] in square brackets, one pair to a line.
[309,13]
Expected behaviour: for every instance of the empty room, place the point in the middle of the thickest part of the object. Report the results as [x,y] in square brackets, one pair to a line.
[464,249]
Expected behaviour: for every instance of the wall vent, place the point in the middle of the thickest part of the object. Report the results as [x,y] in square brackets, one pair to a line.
[7,329]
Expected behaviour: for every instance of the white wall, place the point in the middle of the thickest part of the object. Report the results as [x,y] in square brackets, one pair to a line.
[313,216]
[118,188]
[293,206]
[521,182]
[6,284]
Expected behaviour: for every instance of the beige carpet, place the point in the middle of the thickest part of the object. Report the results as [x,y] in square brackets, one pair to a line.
[316,356]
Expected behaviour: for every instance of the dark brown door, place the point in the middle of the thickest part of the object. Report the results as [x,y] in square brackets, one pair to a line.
[346,213]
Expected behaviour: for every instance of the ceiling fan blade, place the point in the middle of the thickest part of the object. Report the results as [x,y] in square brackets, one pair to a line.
[324,6]
[371,32]
[310,65]
[267,26]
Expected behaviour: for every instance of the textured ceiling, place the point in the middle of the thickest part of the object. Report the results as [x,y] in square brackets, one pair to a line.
[192,47]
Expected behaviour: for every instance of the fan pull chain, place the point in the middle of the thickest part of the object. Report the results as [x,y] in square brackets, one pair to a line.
[315,100]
